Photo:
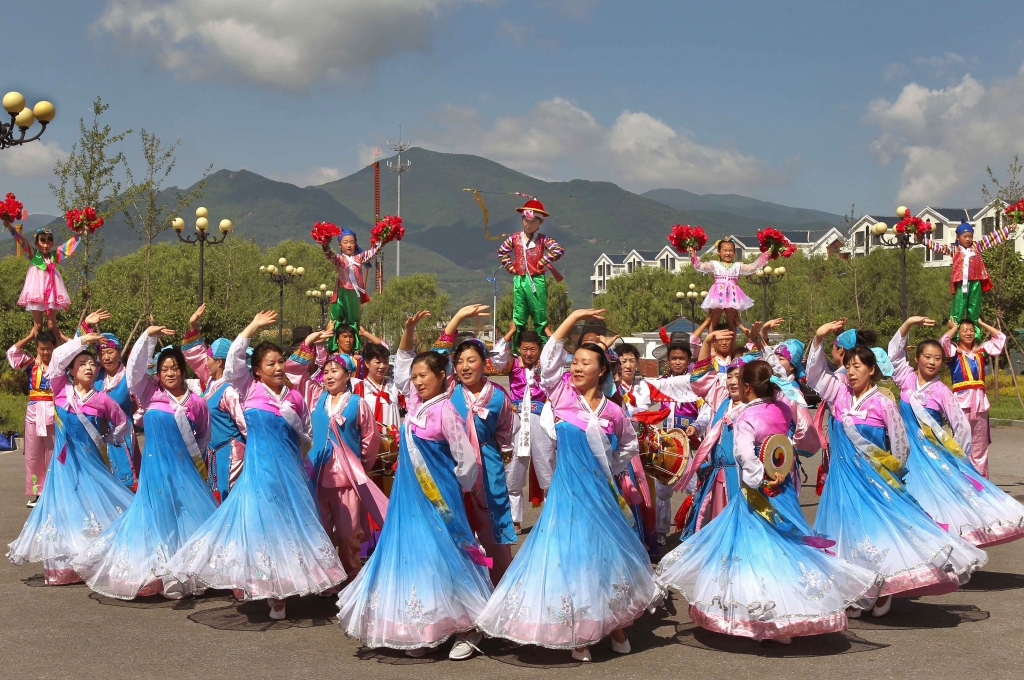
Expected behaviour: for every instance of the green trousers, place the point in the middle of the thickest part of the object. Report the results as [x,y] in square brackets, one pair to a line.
[967,306]
[529,301]
[344,311]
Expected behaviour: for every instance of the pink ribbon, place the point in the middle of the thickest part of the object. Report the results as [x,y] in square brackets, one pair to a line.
[372,498]
[474,409]
[51,284]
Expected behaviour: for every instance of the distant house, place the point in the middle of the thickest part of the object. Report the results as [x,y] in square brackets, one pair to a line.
[944,222]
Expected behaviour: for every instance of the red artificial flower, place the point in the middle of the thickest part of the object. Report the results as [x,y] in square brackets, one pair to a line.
[772,241]
[1015,211]
[83,219]
[915,225]
[388,229]
[323,232]
[683,237]
[11,209]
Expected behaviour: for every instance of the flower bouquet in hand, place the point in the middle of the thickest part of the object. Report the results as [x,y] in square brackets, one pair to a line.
[84,219]
[387,230]
[1015,212]
[913,225]
[323,232]
[773,242]
[683,237]
[11,209]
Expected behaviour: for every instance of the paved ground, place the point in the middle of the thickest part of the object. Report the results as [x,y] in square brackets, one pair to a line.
[70,632]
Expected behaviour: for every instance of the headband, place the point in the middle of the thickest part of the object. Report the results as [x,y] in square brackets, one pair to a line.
[847,339]
[789,389]
[476,342]
[793,351]
[882,359]
[108,341]
[346,361]
[43,230]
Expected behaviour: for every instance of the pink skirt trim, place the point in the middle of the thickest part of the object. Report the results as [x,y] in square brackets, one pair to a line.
[927,580]
[61,577]
[988,537]
[405,636]
[560,636]
[766,630]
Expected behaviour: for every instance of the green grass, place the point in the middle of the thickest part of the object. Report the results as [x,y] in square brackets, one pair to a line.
[12,412]
[1008,408]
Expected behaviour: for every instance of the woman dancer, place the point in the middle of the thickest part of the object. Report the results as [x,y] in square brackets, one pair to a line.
[582,573]
[864,504]
[752,572]
[492,426]
[124,459]
[939,471]
[266,539]
[130,557]
[427,578]
[81,498]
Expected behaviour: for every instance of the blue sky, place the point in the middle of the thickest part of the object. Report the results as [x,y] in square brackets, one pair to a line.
[810,104]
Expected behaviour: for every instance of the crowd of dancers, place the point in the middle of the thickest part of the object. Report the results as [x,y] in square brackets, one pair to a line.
[257,476]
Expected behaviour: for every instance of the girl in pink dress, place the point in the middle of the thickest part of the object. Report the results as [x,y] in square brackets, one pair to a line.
[726,293]
[44,292]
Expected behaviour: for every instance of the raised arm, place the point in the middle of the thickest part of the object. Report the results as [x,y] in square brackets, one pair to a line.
[27,248]
[61,360]
[194,347]
[902,373]
[698,266]
[140,384]
[818,377]
[65,250]
[996,340]
[553,356]
[947,340]
[940,248]
[17,357]
[236,370]
[995,238]
[467,312]
[405,355]
[751,267]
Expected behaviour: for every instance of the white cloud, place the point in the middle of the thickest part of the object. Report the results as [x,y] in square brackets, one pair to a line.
[947,136]
[34,159]
[941,61]
[289,44]
[558,138]
[895,71]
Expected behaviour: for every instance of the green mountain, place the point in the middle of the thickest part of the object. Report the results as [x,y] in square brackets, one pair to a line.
[444,225]
[742,206]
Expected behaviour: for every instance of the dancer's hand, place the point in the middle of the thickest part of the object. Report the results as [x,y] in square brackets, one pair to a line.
[413,320]
[95,317]
[193,321]
[159,331]
[266,317]
[89,338]
[317,337]
[830,327]
[777,479]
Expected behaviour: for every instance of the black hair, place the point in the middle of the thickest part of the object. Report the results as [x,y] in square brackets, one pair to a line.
[43,232]
[930,342]
[299,334]
[178,357]
[262,350]
[84,351]
[372,350]
[465,345]
[680,347]
[626,348]
[435,362]
[963,321]
[757,375]
[867,337]
[343,328]
[866,357]
[723,242]
[46,336]
[530,336]
[723,325]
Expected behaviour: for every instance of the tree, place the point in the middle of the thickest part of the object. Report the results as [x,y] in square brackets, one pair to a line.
[386,312]
[640,301]
[144,212]
[87,178]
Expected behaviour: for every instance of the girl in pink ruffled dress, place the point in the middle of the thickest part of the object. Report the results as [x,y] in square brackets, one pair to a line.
[44,292]
[726,293]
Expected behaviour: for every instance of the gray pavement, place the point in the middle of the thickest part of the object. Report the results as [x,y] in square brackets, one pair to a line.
[69,632]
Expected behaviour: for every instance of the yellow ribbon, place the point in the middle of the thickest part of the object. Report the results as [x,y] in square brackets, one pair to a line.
[483,207]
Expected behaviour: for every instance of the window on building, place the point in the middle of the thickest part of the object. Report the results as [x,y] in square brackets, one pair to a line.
[937,257]
[629,267]
[858,239]
[671,264]
[938,233]
[988,225]
[876,240]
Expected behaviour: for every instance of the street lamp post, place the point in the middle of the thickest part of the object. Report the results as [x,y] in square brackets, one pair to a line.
[202,237]
[282,276]
[903,241]
[23,118]
[493,278]
[693,296]
[321,297]
[764,278]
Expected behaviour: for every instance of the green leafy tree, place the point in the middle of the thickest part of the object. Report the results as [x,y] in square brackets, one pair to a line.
[88,177]
[387,311]
[640,301]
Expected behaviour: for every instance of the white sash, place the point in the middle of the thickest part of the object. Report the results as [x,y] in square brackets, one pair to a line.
[75,405]
[523,440]
[599,443]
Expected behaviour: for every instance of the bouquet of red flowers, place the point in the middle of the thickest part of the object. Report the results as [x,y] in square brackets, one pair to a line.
[772,241]
[323,232]
[914,225]
[387,230]
[83,219]
[11,209]
[683,237]
[1015,211]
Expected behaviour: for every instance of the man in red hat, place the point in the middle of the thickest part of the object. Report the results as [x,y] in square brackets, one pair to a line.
[527,255]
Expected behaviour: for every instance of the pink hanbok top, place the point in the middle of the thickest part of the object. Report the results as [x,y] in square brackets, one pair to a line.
[335,474]
[437,420]
[150,396]
[932,394]
[94,403]
[287,403]
[758,420]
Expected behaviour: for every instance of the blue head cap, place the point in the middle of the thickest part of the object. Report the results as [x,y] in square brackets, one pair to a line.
[964,228]
[248,358]
[344,359]
[793,351]
[108,340]
[345,231]
[219,348]
[882,359]
[847,339]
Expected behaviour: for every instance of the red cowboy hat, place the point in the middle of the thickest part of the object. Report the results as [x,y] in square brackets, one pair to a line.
[536,206]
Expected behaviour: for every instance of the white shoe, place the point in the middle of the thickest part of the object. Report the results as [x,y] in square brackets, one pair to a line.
[581,656]
[854,613]
[275,613]
[174,591]
[465,644]
[882,609]
[785,640]
[621,647]
[418,652]
[32,502]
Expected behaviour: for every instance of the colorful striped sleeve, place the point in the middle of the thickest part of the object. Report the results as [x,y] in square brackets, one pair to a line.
[552,251]
[506,252]
[67,248]
[995,238]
